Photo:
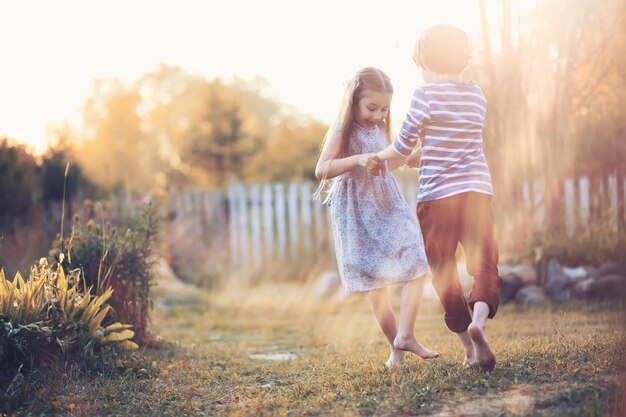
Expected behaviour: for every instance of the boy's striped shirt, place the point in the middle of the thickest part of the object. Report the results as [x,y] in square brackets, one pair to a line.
[448,117]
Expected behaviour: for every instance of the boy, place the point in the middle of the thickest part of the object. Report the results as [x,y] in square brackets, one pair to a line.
[454,201]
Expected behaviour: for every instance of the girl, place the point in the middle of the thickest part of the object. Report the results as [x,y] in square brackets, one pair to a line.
[377,239]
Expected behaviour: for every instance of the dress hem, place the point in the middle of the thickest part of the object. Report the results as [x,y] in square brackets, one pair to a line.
[376,287]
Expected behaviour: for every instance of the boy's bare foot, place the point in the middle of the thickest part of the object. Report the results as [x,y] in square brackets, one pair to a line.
[470,362]
[409,344]
[484,355]
[395,358]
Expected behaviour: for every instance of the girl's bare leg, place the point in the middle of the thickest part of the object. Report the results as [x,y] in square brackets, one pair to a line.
[381,308]
[409,306]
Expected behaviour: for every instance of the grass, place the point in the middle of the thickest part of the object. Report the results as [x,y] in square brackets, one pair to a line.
[557,360]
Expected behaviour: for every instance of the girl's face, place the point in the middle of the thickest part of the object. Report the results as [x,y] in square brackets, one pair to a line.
[372,108]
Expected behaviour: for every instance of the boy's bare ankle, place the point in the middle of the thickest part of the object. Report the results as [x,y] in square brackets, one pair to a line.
[484,355]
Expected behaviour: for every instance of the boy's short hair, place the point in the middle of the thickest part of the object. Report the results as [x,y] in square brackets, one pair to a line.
[444,49]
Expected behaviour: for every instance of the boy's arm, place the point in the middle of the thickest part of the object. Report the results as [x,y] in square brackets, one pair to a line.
[396,162]
[405,142]
[414,160]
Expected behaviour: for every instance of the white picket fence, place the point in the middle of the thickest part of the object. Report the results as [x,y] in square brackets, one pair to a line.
[258,222]
[262,222]
[579,198]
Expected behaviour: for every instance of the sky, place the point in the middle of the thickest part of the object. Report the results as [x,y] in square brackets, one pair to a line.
[52,51]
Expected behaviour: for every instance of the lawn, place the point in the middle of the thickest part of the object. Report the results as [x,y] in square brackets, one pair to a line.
[554,360]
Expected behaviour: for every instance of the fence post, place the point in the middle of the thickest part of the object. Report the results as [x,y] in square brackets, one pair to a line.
[570,215]
[583,187]
[242,207]
[255,214]
[281,228]
[305,206]
[613,198]
[292,212]
[318,219]
[268,227]
[233,220]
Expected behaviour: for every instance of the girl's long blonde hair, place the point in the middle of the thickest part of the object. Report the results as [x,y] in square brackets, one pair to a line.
[368,78]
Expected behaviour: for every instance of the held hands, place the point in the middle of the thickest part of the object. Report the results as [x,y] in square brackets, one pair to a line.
[374,165]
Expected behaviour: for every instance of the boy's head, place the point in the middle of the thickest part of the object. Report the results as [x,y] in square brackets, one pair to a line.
[443,49]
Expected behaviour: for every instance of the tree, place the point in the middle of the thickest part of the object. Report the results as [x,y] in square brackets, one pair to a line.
[174,129]
[54,181]
[19,181]
[291,153]
[224,138]
[115,152]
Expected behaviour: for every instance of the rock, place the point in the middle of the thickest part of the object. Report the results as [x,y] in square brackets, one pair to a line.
[527,273]
[611,285]
[586,288]
[592,271]
[575,274]
[611,268]
[327,284]
[504,269]
[606,286]
[530,294]
[558,284]
[511,284]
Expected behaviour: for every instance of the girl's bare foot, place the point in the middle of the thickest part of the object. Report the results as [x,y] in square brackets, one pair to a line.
[484,355]
[395,358]
[409,344]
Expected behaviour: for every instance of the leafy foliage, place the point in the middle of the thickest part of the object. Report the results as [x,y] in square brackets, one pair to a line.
[53,316]
[109,258]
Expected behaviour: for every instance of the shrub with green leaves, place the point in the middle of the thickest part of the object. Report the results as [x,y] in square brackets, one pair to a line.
[53,316]
[110,257]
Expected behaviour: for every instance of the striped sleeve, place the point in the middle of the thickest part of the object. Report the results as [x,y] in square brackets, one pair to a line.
[419,113]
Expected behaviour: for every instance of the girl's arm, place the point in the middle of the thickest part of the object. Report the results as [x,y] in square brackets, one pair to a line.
[328,167]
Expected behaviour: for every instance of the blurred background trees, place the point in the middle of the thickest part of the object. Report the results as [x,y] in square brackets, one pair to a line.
[554,77]
[171,129]
[556,91]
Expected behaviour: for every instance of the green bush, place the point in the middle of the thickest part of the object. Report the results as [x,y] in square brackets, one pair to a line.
[123,260]
[52,317]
